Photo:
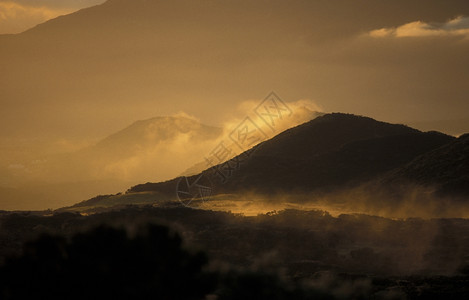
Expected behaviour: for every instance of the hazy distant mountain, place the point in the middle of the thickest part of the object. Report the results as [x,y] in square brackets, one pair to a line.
[331,152]
[445,169]
[160,147]
[155,132]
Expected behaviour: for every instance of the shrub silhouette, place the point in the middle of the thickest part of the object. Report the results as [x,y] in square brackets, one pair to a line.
[106,263]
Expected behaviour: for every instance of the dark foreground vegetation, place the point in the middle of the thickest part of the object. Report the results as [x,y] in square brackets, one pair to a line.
[181,253]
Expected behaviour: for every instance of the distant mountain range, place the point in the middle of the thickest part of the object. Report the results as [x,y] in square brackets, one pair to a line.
[332,153]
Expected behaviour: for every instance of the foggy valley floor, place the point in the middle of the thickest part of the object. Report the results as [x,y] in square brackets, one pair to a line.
[347,256]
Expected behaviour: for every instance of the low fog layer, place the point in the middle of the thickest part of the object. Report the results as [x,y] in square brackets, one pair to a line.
[347,256]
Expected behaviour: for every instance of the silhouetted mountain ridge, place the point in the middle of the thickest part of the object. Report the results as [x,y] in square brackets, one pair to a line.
[327,133]
[446,169]
[331,152]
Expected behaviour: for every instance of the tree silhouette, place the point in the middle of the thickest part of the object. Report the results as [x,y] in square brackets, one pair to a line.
[106,263]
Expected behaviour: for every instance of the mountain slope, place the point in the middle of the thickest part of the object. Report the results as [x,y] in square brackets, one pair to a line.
[299,116]
[445,169]
[331,152]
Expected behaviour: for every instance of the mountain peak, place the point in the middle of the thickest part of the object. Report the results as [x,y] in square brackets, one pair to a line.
[334,150]
[158,130]
[328,132]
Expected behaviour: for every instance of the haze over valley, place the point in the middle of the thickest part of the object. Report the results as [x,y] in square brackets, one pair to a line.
[234,149]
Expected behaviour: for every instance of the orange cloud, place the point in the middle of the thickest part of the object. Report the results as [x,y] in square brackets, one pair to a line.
[455,27]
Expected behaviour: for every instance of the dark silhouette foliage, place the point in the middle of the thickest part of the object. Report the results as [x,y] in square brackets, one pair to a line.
[106,263]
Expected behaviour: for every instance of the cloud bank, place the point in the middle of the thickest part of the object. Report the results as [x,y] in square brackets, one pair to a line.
[458,26]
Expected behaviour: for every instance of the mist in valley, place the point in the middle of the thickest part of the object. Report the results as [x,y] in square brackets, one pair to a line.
[234,149]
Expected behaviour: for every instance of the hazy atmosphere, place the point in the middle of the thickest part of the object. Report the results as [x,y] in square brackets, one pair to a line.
[301,149]
[72,81]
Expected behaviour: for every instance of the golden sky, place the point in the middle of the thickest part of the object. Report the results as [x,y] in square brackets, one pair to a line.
[97,70]
[76,79]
